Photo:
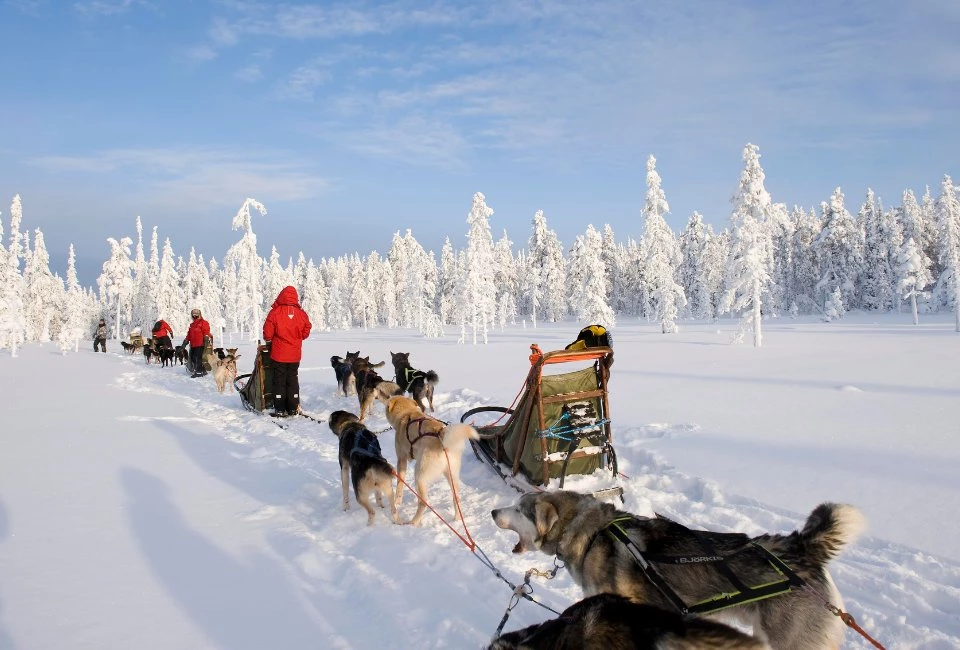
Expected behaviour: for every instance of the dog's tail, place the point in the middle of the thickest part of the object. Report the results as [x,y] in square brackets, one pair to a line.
[432,377]
[829,528]
[378,365]
[455,436]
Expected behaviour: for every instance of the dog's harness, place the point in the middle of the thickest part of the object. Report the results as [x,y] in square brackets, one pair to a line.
[420,432]
[741,593]
[410,375]
[366,445]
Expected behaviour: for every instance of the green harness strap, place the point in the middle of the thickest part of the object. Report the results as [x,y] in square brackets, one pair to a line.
[741,594]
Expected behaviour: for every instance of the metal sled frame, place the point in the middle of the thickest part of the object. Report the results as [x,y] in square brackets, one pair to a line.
[539,438]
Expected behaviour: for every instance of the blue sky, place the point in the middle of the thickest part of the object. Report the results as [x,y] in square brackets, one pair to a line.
[352,120]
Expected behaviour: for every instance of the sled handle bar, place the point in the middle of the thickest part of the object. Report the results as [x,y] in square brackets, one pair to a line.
[486,409]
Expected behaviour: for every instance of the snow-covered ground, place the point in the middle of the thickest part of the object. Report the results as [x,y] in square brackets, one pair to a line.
[142,509]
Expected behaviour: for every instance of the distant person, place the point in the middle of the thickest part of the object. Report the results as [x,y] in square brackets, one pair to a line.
[162,333]
[100,337]
[286,327]
[197,336]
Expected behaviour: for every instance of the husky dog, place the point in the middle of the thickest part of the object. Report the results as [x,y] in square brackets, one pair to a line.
[416,382]
[572,526]
[429,443]
[166,357]
[180,354]
[371,387]
[150,351]
[611,622]
[343,369]
[360,458]
[225,371]
[127,347]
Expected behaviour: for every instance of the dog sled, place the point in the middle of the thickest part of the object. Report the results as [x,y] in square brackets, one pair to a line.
[559,424]
[256,388]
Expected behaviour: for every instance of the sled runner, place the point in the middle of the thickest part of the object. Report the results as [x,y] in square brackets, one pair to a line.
[256,388]
[560,424]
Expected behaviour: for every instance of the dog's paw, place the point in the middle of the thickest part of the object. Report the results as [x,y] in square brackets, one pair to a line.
[346,506]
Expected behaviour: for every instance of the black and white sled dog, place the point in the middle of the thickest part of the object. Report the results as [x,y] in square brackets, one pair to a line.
[416,382]
[572,526]
[362,460]
[611,622]
[343,369]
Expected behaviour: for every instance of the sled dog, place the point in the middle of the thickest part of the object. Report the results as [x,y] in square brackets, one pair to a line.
[225,371]
[611,622]
[371,387]
[416,382]
[576,528]
[428,442]
[343,369]
[361,460]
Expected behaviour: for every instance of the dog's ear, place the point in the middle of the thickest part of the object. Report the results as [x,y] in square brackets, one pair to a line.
[546,517]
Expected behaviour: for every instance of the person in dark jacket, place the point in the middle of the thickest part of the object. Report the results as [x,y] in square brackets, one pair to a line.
[162,335]
[197,336]
[286,326]
[100,337]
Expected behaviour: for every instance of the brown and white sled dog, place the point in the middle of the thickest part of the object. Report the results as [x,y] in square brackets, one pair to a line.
[371,387]
[428,442]
[569,525]
[361,460]
[611,622]
[225,371]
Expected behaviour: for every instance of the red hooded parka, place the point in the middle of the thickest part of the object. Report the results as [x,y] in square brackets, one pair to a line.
[286,325]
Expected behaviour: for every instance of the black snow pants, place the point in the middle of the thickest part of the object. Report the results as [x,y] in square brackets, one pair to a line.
[286,387]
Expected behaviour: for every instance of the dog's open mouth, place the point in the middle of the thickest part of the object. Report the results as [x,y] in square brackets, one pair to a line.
[520,547]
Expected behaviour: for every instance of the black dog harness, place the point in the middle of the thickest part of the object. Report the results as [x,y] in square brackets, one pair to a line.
[366,444]
[741,593]
[411,375]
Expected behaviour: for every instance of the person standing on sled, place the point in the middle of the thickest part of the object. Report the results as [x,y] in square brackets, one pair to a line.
[162,335]
[197,337]
[287,325]
[100,337]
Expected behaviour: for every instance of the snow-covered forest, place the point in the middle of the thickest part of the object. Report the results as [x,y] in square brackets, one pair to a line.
[770,260]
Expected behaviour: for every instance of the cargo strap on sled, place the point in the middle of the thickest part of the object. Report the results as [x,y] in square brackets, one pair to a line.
[742,593]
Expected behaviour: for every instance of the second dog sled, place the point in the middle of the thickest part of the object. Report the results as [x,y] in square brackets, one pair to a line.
[560,423]
[256,388]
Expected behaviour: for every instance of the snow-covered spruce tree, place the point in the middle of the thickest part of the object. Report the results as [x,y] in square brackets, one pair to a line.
[751,244]
[144,302]
[386,294]
[505,281]
[547,283]
[876,285]
[912,224]
[313,300]
[76,320]
[891,233]
[116,283]
[948,220]
[840,249]
[42,297]
[637,299]
[477,288]
[12,325]
[912,276]
[399,264]
[213,298]
[805,269]
[171,302]
[833,308]
[587,281]
[694,272]
[776,300]
[275,278]
[335,273]
[447,283]
[613,261]
[369,299]
[421,281]
[662,255]
[716,261]
[932,234]
[242,258]
[362,301]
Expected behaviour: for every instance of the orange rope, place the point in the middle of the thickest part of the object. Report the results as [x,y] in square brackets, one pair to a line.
[468,540]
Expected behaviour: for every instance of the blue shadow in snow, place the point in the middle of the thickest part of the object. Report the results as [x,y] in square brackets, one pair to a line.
[238,603]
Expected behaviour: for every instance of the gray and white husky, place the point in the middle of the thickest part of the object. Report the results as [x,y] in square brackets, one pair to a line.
[572,526]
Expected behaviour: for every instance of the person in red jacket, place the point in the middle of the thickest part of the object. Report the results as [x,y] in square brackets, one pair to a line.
[162,335]
[286,327]
[197,336]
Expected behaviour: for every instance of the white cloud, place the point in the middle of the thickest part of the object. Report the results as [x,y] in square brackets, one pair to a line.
[249,74]
[183,175]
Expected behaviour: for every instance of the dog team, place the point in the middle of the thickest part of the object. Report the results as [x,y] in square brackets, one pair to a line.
[622,607]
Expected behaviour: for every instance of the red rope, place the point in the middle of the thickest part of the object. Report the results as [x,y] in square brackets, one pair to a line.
[468,540]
